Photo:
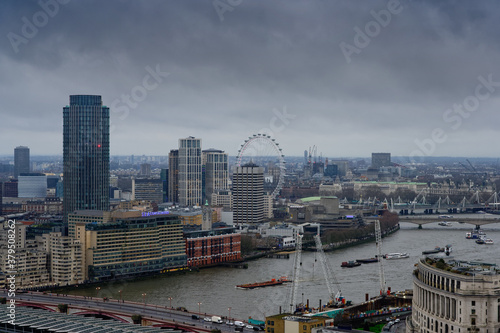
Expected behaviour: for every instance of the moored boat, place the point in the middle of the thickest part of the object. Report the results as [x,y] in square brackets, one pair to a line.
[447,249]
[392,256]
[273,282]
[437,249]
[488,241]
[471,235]
[480,241]
[350,263]
[367,261]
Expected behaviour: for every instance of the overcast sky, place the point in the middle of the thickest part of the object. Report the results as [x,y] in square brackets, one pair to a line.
[351,77]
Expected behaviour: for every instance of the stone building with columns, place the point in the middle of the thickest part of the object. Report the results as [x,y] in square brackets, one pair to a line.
[451,296]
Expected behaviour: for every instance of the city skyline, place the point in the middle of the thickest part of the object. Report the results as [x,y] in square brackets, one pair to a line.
[410,78]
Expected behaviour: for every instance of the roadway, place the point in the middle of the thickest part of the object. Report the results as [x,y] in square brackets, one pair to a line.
[474,219]
[148,311]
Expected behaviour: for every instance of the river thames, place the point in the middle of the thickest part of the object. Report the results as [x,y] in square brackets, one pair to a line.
[215,288]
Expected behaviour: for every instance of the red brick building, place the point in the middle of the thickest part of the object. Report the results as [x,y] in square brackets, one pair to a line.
[210,247]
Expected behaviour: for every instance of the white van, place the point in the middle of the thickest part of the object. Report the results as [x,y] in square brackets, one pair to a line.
[239,323]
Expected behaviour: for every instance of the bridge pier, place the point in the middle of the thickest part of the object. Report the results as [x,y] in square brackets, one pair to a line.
[419,226]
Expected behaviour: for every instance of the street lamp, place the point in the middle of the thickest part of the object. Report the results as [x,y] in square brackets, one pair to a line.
[97,291]
[170,300]
[144,299]
[120,291]
[199,308]
[229,316]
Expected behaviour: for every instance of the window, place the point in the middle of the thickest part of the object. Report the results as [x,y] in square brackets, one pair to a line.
[473,311]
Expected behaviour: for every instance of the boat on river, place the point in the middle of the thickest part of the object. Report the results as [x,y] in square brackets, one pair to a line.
[350,263]
[273,282]
[437,249]
[392,256]
[488,241]
[445,224]
[367,261]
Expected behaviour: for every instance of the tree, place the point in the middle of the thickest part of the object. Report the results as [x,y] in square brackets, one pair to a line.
[137,318]
[246,245]
[403,193]
[63,308]
[373,191]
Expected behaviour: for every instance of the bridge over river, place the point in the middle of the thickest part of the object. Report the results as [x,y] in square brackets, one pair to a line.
[153,316]
[474,219]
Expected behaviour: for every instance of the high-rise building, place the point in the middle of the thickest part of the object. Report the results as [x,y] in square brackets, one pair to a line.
[190,171]
[10,189]
[1,198]
[164,181]
[248,194]
[146,170]
[150,189]
[381,160]
[85,154]
[216,171]
[21,160]
[173,176]
[32,185]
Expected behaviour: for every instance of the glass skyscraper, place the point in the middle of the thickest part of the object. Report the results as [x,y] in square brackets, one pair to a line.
[85,154]
[21,160]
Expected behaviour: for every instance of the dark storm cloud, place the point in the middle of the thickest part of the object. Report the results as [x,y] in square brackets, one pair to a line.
[226,77]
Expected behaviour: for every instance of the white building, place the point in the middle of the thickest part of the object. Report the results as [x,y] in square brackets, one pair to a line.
[248,194]
[190,179]
[455,297]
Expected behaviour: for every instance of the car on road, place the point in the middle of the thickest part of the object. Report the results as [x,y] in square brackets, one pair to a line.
[230,323]
[249,326]
[195,316]
[208,319]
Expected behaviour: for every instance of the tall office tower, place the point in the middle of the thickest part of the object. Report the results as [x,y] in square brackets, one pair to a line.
[190,171]
[21,160]
[216,172]
[85,154]
[248,194]
[164,181]
[381,160]
[173,176]
[1,198]
[145,170]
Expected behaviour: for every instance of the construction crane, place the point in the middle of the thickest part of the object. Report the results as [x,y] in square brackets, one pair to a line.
[296,272]
[335,298]
[378,241]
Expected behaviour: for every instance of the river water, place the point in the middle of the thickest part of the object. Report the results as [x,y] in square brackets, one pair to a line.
[215,288]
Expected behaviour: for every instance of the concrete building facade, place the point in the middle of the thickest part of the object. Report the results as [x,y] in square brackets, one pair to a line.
[21,160]
[248,194]
[190,172]
[132,246]
[216,171]
[173,176]
[455,297]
